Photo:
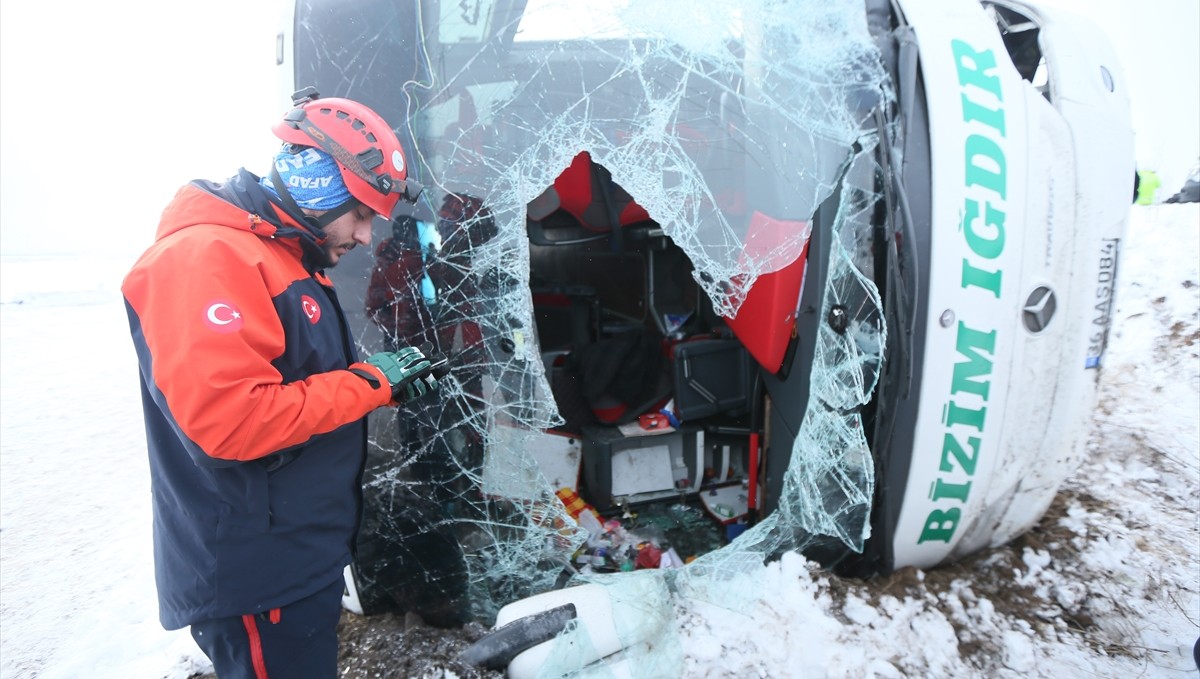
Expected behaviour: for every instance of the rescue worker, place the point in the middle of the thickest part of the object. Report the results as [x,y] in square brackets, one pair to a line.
[1147,186]
[254,397]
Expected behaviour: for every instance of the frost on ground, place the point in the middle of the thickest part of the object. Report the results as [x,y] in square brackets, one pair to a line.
[1107,584]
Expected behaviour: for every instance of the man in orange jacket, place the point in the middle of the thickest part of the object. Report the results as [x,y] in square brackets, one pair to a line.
[253,393]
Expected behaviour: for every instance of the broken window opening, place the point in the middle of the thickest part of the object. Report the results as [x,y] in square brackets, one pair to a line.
[735,149]
[1022,38]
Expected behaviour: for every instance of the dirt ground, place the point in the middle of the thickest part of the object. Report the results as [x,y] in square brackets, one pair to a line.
[385,646]
[990,573]
[391,646]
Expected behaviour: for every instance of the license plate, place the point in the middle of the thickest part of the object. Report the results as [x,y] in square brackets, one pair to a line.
[1102,310]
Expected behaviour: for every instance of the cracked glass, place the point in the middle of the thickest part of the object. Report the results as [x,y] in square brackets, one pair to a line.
[605,188]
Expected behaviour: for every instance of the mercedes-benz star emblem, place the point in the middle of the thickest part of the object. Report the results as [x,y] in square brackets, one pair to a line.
[1039,309]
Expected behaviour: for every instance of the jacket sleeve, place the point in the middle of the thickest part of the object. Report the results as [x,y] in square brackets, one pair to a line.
[211,332]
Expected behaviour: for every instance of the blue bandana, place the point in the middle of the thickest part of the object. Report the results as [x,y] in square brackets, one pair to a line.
[312,177]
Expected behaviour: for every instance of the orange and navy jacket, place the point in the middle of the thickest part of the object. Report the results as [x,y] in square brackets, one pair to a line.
[256,429]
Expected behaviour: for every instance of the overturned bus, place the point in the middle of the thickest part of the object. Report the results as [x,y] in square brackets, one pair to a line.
[719,281]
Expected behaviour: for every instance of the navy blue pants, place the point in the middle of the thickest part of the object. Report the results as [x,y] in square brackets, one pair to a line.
[297,641]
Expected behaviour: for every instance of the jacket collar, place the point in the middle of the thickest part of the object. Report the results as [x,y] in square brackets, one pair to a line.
[242,203]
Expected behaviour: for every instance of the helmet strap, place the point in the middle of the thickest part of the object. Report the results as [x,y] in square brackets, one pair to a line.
[333,213]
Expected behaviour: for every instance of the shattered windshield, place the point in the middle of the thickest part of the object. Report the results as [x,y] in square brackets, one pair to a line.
[597,174]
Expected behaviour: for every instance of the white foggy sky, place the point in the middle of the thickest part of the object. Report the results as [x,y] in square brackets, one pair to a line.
[109,107]
[1158,42]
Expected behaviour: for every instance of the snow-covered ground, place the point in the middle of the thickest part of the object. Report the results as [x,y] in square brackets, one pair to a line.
[1108,584]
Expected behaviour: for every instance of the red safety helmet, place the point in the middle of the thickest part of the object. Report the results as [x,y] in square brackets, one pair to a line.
[364,146]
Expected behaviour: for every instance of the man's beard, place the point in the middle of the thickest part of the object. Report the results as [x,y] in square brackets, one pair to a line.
[328,261]
[317,257]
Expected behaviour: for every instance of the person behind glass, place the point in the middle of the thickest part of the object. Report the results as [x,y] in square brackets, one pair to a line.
[395,301]
[254,396]
[465,225]
[397,305]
